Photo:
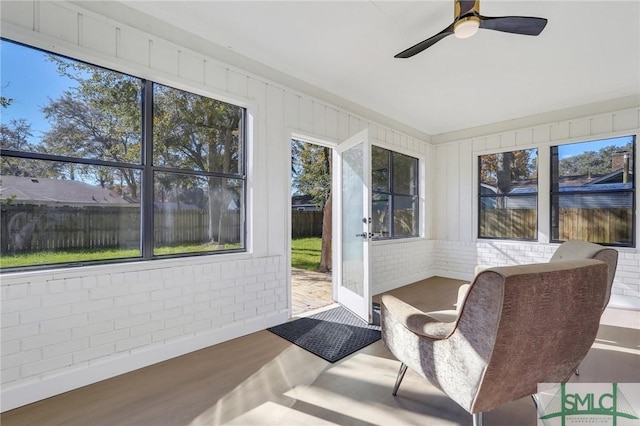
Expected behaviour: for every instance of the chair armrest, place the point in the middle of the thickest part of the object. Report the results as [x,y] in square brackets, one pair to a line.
[462,294]
[480,268]
[415,320]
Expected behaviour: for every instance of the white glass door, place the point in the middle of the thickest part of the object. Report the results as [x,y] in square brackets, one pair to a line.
[352,201]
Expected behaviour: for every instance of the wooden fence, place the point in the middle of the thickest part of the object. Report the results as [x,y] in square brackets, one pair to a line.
[306,224]
[600,225]
[33,228]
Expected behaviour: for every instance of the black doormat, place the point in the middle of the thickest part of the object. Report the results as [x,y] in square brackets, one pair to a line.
[331,334]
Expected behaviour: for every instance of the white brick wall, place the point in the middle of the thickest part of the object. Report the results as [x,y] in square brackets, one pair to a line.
[396,263]
[73,319]
[458,259]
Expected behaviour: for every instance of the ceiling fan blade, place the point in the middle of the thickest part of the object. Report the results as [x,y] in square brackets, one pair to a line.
[414,50]
[526,25]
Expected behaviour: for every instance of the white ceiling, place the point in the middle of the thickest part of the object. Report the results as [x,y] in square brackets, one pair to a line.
[589,52]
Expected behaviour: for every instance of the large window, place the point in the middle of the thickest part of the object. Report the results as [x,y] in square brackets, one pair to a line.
[592,191]
[97,165]
[508,195]
[395,196]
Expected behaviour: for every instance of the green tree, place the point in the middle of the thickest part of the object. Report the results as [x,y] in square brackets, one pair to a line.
[195,132]
[99,117]
[591,162]
[502,168]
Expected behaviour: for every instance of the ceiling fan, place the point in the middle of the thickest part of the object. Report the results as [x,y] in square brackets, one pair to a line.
[467,21]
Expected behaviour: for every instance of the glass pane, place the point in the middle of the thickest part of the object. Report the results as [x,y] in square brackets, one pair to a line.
[352,226]
[510,172]
[193,132]
[404,174]
[405,216]
[197,214]
[65,107]
[508,217]
[598,218]
[381,216]
[63,213]
[597,165]
[508,195]
[380,169]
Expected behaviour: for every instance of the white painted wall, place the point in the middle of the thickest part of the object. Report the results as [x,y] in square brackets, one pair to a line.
[66,328]
[456,247]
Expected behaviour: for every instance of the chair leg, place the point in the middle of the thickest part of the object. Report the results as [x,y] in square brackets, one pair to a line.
[477,419]
[403,369]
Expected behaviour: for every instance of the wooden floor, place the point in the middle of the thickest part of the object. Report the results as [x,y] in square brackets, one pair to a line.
[261,379]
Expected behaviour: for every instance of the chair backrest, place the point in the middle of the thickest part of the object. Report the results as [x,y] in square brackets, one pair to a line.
[531,324]
[574,250]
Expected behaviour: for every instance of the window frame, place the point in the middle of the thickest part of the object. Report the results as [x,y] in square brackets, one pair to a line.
[147,169]
[480,196]
[553,165]
[391,194]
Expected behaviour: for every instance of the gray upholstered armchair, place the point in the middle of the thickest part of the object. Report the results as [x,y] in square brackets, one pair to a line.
[544,316]
[574,250]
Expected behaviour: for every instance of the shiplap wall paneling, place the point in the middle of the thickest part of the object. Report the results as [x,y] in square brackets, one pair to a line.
[508,141]
[560,131]
[492,143]
[20,13]
[626,120]
[601,124]
[541,134]
[356,124]
[92,35]
[164,56]
[291,110]
[331,123]
[215,75]
[466,199]
[524,138]
[318,114]
[275,189]
[65,26]
[442,186]
[305,115]
[452,200]
[132,46]
[344,121]
[238,83]
[258,211]
[580,128]
[190,66]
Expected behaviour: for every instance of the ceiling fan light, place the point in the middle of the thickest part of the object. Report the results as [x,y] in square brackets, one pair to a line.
[466,27]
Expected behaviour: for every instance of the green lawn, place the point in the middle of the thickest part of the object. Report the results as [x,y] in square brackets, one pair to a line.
[62,257]
[305,253]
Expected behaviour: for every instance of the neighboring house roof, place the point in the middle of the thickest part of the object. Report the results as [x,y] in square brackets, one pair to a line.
[299,202]
[58,191]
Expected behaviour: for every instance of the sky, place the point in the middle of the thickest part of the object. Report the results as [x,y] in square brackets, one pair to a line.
[571,150]
[30,79]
